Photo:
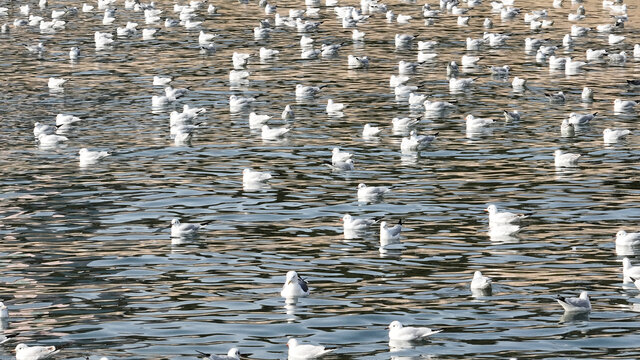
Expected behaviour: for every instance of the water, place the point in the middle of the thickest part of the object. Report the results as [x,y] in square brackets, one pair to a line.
[85,263]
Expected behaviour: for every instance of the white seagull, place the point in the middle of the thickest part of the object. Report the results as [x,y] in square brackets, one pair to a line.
[88,157]
[232,354]
[562,159]
[294,286]
[627,239]
[350,223]
[408,333]
[389,234]
[503,217]
[480,282]
[184,230]
[613,135]
[579,304]
[371,192]
[305,351]
[26,352]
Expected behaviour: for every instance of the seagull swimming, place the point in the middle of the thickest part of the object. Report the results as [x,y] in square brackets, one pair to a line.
[305,351]
[579,304]
[26,352]
[87,157]
[369,131]
[250,176]
[294,286]
[389,234]
[497,218]
[627,239]
[613,135]
[562,159]
[184,230]
[408,333]
[232,354]
[480,282]
[350,223]
[273,133]
[371,192]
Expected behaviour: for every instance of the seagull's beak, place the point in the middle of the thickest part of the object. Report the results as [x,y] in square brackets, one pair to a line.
[289,282]
[486,210]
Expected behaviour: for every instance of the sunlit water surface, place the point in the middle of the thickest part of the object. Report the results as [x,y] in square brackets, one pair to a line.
[85,263]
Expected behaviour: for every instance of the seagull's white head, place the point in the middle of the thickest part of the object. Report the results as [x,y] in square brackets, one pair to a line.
[395,325]
[175,221]
[491,209]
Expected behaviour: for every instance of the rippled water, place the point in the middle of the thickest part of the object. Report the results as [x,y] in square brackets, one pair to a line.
[86,265]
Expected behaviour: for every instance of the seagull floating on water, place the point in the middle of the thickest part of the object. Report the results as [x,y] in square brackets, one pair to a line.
[305,351]
[294,286]
[408,333]
[579,304]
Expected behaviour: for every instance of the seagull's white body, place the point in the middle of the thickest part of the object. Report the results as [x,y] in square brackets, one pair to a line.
[333,106]
[613,135]
[497,218]
[161,80]
[368,192]
[581,119]
[480,282]
[337,155]
[599,54]
[305,351]
[51,139]
[562,159]
[473,122]
[273,133]
[459,84]
[232,354]
[627,239]
[389,234]
[237,103]
[303,91]
[25,352]
[56,83]
[620,105]
[629,271]
[579,304]
[251,176]
[294,286]
[350,223]
[416,142]
[88,157]
[408,333]
[403,124]
[369,131]
[183,230]
[256,121]
[66,119]
[39,128]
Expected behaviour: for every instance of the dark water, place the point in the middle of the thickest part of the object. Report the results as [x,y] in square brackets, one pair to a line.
[85,264]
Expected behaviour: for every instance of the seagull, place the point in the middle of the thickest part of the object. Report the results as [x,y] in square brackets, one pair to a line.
[39,128]
[473,122]
[333,107]
[613,135]
[371,192]
[576,304]
[470,61]
[629,271]
[337,155]
[397,80]
[567,129]
[287,113]
[369,131]
[408,333]
[173,94]
[26,352]
[581,119]
[452,69]
[233,354]
[504,217]
[294,286]
[74,53]
[4,312]
[459,84]
[184,230]
[518,84]
[511,115]
[480,282]
[500,70]
[46,140]
[56,83]
[437,106]
[416,142]
[237,103]
[558,97]
[403,124]
[250,176]
[305,351]
[620,105]
[88,157]
[351,224]
[562,159]
[627,239]
[273,133]
[388,234]
[587,94]
[594,55]
[268,53]
[256,121]
[357,62]
[66,119]
[303,91]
